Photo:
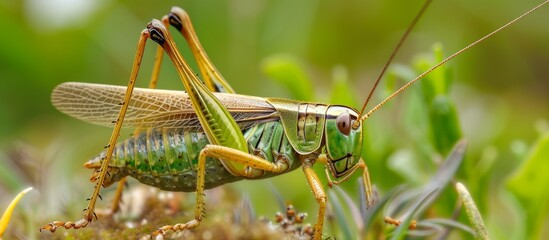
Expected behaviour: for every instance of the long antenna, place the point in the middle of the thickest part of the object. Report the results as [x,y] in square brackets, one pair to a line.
[446,60]
[400,42]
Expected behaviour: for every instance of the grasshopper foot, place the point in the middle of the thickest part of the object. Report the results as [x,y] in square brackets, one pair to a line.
[67,225]
[177,227]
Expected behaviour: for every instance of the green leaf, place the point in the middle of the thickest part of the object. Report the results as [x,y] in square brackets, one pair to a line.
[445,128]
[426,197]
[438,82]
[341,89]
[530,183]
[340,217]
[288,72]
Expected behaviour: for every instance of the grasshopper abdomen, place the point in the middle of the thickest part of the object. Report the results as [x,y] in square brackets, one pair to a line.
[166,157]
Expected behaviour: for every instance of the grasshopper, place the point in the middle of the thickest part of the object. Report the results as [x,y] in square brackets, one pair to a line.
[209,135]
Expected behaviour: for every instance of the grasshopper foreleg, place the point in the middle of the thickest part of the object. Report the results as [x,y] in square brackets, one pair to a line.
[320,196]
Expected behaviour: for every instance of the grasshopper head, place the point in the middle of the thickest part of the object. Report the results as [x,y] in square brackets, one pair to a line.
[343,140]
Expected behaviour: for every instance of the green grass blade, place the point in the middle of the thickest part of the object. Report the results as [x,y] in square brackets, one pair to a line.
[369,215]
[448,223]
[340,217]
[355,212]
[444,174]
[402,230]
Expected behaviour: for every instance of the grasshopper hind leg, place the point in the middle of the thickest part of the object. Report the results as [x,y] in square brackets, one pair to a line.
[226,140]
[227,154]
[213,79]
[89,211]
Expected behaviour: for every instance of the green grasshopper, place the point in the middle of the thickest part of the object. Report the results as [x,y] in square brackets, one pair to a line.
[209,136]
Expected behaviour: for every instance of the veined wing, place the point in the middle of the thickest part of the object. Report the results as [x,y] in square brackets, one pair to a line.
[100,104]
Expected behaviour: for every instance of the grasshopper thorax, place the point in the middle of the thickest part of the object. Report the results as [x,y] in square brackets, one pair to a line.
[343,140]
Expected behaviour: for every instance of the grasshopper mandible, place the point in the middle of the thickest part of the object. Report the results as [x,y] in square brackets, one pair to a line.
[209,135]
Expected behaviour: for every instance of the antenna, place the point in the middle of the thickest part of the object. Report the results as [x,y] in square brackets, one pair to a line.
[369,113]
[399,44]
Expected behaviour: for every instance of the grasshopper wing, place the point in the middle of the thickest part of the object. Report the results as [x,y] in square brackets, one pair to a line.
[100,104]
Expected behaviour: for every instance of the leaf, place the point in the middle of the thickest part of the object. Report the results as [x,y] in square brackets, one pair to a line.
[439,81]
[529,185]
[439,181]
[445,128]
[340,215]
[279,199]
[369,214]
[288,72]
[402,229]
[444,223]
[341,89]
[355,212]
[436,86]
[448,169]
[5,220]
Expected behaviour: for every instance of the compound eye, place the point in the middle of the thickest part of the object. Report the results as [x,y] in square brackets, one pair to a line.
[343,122]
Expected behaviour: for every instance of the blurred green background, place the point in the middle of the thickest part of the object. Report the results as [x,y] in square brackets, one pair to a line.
[500,89]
